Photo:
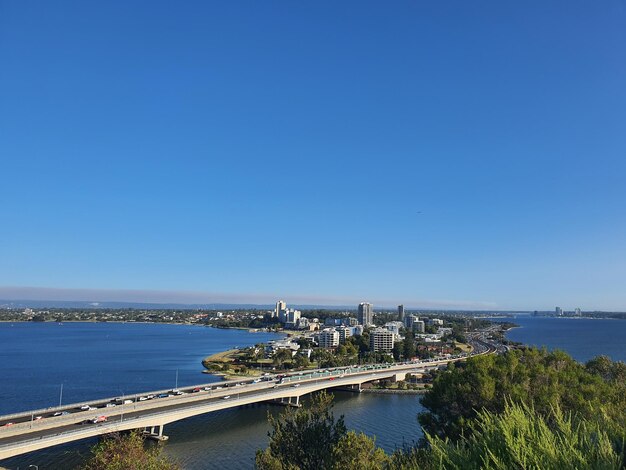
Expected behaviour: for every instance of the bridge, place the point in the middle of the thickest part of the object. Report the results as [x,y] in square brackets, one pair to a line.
[38,429]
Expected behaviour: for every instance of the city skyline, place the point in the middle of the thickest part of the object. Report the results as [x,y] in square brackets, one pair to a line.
[446,156]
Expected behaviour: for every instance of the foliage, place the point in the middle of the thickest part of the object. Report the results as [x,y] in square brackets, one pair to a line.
[118,452]
[281,356]
[398,347]
[526,409]
[408,346]
[520,438]
[544,380]
[303,438]
[358,452]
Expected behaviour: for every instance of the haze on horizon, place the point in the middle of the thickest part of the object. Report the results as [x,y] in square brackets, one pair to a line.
[445,153]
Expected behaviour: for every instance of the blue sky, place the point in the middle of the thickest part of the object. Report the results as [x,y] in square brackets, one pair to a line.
[453,154]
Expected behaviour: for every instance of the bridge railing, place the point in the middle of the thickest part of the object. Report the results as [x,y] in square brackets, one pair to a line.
[290,377]
[110,426]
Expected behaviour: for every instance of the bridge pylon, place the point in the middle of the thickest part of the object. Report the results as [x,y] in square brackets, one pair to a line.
[155,433]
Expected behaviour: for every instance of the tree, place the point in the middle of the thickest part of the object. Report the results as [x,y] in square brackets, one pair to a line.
[358,452]
[398,348]
[281,356]
[408,347]
[303,438]
[301,361]
[544,380]
[118,452]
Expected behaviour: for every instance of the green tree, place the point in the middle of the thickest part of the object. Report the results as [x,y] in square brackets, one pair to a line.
[398,348]
[408,347]
[118,452]
[544,380]
[281,356]
[301,361]
[303,438]
[358,452]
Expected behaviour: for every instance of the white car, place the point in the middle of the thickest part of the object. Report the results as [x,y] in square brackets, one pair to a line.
[226,397]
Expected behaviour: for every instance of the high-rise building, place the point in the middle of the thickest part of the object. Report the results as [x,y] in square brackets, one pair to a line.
[400,312]
[344,333]
[558,312]
[292,316]
[281,307]
[381,340]
[578,312]
[409,320]
[418,326]
[365,314]
[328,338]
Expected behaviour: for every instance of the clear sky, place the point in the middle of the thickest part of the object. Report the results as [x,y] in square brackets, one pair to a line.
[453,154]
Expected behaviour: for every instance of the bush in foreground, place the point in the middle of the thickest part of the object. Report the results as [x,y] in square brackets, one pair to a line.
[127,452]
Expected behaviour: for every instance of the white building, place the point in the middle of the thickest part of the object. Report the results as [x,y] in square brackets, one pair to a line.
[281,307]
[394,327]
[291,317]
[365,314]
[328,338]
[444,331]
[302,323]
[419,326]
[344,333]
[381,340]
[275,345]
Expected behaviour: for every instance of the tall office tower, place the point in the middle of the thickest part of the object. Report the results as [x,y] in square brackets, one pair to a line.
[400,312]
[365,314]
[578,312]
[281,306]
[558,312]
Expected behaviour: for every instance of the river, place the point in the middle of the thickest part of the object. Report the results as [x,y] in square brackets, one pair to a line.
[94,360]
[582,338]
[108,359]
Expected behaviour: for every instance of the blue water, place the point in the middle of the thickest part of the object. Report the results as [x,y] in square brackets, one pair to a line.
[105,359]
[94,360]
[582,338]
[108,359]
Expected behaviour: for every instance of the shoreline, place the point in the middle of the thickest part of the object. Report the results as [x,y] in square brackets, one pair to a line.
[244,328]
[391,391]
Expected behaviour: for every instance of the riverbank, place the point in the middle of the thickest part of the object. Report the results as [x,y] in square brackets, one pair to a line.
[394,391]
[227,365]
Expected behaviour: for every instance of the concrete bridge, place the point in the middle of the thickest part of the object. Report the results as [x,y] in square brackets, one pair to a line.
[38,429]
